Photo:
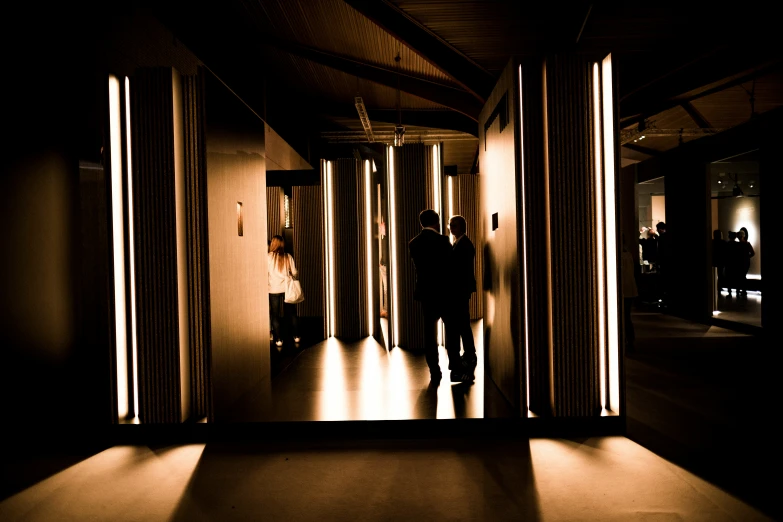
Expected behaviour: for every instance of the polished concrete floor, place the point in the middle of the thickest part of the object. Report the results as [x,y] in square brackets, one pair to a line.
[701,444]
[708,398]
[336,380]
[744,309]
[594,479]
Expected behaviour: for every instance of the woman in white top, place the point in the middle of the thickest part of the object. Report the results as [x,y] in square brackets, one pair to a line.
[279,264]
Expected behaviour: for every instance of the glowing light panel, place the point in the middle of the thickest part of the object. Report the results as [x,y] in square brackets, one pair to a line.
[368,226]
[524,240]
[611,237]
[393,241]
[131,249]
[599,213]
[118,246]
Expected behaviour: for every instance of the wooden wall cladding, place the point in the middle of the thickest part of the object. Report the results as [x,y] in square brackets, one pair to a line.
[198,243]
[503,335]
[308,223]
[413,193]
[155,240]
[573,241]
[275,213]
[466,203]
[237,264]
[349,249]
[536,302]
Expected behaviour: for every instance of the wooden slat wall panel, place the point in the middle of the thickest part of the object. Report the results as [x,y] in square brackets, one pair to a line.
[573,240]
[155,247]
[350,277]
[535,236]
[308,221]
[198,246]
[466,203]
[413,193]
[274,212]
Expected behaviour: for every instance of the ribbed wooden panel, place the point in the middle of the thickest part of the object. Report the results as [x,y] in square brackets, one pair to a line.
[308,219]
[573,240]
[350,269]
[535,237]
[466,203]
[155,246]
[274,212]
[198,246]
[413,193]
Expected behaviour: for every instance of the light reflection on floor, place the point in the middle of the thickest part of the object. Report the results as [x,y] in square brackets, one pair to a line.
[361,380]
[744,309]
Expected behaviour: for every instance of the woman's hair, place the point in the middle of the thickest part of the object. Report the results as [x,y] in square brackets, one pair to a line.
[745,231]
[277,247]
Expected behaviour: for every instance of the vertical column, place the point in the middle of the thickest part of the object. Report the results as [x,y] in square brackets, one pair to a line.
[307,216]
[155,228]
[571,295]
[346,275]
[411,185]
[464,192]
[274,212]
[198,251]
[573,234]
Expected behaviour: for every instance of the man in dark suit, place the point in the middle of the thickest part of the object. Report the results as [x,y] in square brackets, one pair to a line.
[462,283]
[430,251]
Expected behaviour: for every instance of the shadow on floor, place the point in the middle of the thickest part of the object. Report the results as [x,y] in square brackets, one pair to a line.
[706,398]
[477,479]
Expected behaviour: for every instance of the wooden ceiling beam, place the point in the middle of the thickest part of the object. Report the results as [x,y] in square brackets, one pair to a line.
[467,73]
[695,115]
[455,99]
[443,119]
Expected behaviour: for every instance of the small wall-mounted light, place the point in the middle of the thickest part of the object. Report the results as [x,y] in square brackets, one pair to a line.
[240,223]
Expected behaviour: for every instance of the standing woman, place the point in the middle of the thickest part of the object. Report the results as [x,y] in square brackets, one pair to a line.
[746,252]
[279,266]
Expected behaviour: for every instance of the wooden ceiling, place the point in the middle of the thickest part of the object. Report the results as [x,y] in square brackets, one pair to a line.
[682,65]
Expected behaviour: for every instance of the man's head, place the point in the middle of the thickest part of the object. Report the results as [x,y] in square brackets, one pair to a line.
[458,226]
[717,234]
[660,227]
[429,218]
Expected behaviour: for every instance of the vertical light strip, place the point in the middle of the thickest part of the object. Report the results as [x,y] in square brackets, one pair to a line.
[181,223]
[435,180]
[118,244]
[131,248]
[599,227]
[327,270]
[547,214]
[613,340]
[368,226]
[393,240]
[438,198]
[524,238]
[330,217]
[451,205]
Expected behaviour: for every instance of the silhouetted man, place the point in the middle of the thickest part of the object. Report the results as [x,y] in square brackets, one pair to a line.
[461,284]
[430,251]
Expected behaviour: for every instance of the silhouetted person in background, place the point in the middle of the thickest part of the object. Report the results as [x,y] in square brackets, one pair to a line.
[461,284]
[718,263]
[630,293]
[745,252]
[430,251]
[731,270]
[664,261]
[649,242]
[280,265]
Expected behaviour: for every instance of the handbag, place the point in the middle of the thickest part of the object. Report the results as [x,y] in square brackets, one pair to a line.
[293,288]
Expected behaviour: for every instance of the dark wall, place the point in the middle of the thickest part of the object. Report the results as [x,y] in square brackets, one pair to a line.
[497,164]
[54,322]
